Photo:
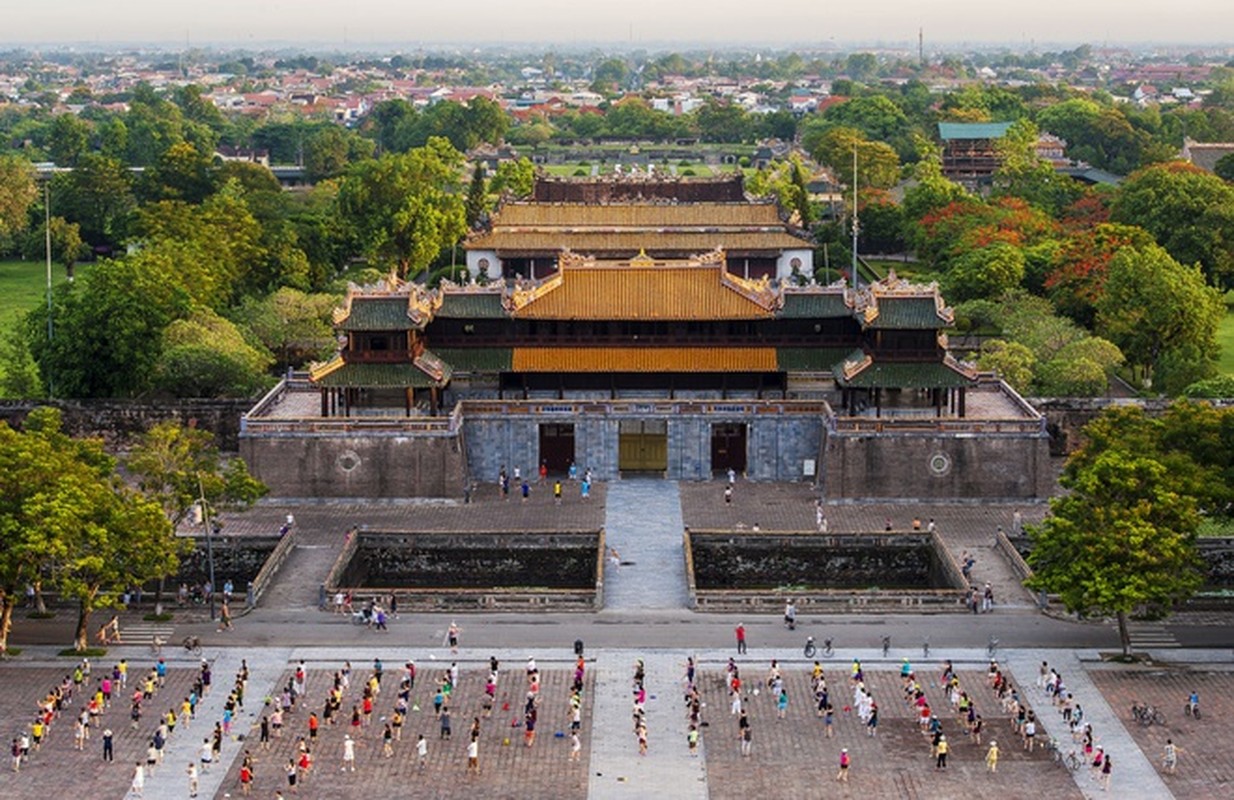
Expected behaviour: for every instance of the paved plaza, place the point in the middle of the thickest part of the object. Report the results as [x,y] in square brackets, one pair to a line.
[644,618]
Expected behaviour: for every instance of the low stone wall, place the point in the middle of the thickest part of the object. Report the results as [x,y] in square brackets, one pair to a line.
[902,464]
[474,571]
[240,559]
[357,465]
[1067,416]
[273,564]
[119,422]
[1012,553]
[759,572]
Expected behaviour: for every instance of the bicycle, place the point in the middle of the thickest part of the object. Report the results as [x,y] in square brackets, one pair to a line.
[886,645]
[991,647]
[810,649]
[193,644]
[828,652]
[1147,715]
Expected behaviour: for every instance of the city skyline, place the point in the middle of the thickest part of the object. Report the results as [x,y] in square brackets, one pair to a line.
[638,22]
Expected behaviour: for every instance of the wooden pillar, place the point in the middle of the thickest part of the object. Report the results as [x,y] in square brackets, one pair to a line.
[963,399]
[347,402]
[325,402]
[878,402]
[434,401]
[407,398]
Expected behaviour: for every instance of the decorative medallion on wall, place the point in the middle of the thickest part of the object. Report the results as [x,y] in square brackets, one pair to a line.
[347,460]
[939,464]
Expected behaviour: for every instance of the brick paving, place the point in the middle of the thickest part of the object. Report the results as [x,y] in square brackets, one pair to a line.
[487,511]
[58,768]
[1204,765]
[506,771]
[792,758]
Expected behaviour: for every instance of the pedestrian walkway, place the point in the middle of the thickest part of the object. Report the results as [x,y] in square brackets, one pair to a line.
[617,769]
[643,523]
[298,582]
[1133,777]
[1149,636]
[990,567]
[145,632]
[170,781]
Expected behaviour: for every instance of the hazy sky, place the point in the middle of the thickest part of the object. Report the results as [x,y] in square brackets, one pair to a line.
[360,22]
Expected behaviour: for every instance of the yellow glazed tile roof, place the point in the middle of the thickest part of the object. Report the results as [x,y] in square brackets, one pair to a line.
[644,359]
[632,291]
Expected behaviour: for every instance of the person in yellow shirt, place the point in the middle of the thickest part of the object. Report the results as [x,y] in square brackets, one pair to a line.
[941,749]
[991,758]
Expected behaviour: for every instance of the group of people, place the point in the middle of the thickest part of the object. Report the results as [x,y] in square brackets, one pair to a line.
[640,706]
[1050,681]
[523,487]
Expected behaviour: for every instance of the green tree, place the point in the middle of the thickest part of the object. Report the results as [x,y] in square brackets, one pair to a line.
[988,272]
[403,210]
[1190,212]
[1224,168]
[66,244]
[517,177]
[878,166]
[1013,362]
[1121,538]
[325,153]
[68,138]
[108,327]
[180,173]
[17,194]
[1022,173]
[19,379]
[205,355]
[293,325]
[98,196]
[723,122]
[176,466]
[1153,305]
[477,196]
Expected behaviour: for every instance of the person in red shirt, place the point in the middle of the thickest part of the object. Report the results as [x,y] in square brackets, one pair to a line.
[741,638]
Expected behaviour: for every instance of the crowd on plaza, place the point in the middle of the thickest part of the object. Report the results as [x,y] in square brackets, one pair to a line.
[522,485]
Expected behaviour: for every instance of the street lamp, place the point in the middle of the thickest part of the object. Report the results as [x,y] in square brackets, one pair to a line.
[212,526]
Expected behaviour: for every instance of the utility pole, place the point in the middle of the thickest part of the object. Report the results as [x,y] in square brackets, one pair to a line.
[856,280]
[47,248]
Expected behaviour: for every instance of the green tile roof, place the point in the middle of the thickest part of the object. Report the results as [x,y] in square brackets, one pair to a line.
[472,305]
[814,305]
[809,359]
[380,376]
[905,375]
[378,314]
[972,130]
[477,359]
[907,313]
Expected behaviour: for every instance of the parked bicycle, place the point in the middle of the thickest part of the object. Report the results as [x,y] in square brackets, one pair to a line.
[1147,715]
[193,644]
[1070,759]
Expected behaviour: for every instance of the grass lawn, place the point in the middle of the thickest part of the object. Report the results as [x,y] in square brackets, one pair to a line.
[1225,338]
[23,285]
